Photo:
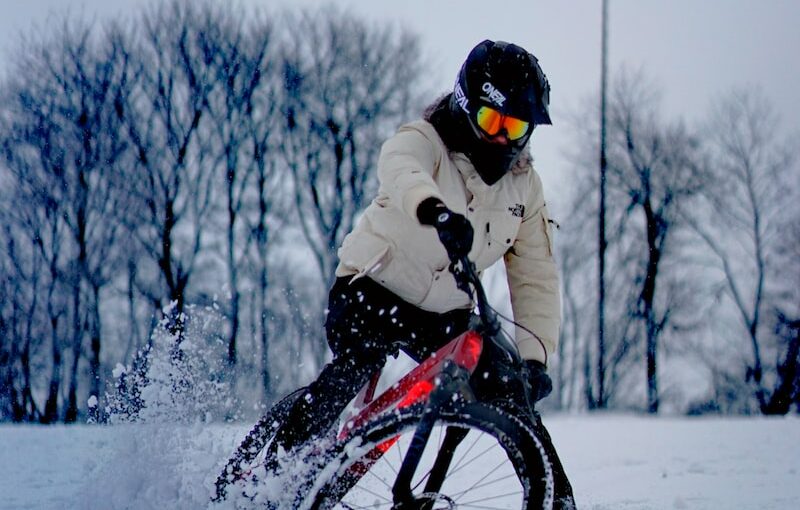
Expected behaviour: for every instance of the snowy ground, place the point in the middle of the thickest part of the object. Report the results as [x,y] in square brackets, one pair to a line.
[614,461]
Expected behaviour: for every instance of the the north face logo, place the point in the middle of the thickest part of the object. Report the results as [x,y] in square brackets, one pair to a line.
[518,210]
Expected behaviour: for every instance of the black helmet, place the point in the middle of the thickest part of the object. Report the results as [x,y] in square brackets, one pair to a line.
[500,87]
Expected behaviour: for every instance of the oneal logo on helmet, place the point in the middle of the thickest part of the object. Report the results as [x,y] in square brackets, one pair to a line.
[495,95]
[461,98]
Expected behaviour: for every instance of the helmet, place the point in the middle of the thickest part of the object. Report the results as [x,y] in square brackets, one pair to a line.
[500,90]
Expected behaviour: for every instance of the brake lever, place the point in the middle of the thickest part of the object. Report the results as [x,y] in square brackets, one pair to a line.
[461,275]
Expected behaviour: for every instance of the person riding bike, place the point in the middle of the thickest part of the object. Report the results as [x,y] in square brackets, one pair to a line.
[458,182]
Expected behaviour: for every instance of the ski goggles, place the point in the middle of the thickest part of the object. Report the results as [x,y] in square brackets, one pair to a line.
[492,122]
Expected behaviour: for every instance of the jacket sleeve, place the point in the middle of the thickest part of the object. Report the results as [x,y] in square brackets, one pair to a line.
[533,280]
[407,163]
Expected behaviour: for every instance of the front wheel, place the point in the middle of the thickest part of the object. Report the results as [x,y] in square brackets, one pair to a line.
[476,457]
[253,451]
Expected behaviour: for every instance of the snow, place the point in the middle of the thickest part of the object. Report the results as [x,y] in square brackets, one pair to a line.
[168,454]
[614,462]
[633,462]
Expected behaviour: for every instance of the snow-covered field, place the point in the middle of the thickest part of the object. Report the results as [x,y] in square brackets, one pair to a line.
[614,461]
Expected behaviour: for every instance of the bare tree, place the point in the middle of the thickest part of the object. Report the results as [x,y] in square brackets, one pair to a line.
[787,314]
[263,220]
[93,77]
[754,204]
[574,358]
[349,83]
[653,169]
[40,224]
[21,292]
[576,254]
[241,65]
[60,105]
[6,377]
[165,99]
[34,235]
[267,206]
[7,393]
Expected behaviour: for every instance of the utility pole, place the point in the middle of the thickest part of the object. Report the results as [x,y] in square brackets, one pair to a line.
[601,298]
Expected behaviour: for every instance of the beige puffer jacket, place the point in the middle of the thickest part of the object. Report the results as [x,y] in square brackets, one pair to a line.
[510,220]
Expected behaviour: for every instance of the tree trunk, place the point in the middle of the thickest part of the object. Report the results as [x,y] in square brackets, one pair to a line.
[262,234]
[788,388]
[17,409]
[175,280]
[133,340]
[71,414]
[266,375]
[588,390]
[648,301]
[233,274]
[51,405]
[28,403]
[96,329]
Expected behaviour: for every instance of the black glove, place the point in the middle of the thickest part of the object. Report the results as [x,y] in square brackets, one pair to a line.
[455,230]
[539,383]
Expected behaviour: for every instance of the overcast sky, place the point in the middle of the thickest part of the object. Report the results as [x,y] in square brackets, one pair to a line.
[693,49]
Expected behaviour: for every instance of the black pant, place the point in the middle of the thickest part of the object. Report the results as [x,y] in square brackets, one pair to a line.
[365,324]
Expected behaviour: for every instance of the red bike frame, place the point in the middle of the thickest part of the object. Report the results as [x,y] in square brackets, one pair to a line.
[416,386]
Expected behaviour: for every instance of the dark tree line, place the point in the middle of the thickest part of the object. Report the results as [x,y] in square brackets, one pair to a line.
[205,155]
[148,164]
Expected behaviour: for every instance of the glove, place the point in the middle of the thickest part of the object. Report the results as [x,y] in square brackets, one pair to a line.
[539,383]
[454,230]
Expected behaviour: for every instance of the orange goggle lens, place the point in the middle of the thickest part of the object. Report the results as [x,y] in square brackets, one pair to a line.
[491,122]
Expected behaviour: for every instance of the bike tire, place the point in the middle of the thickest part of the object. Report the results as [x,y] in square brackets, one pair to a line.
[499,454]
[255,445]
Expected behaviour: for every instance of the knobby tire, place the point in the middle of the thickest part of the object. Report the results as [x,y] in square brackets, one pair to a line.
[254,445]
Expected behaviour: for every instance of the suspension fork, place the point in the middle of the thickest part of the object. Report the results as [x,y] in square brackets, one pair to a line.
[452,387]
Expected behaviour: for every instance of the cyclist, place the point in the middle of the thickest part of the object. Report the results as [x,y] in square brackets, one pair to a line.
[457,182]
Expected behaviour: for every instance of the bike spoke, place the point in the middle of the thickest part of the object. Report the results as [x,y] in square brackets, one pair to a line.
[400,456]
[474,503]
[463,463]
[381,479]
[481,483]
[466,458]
[371,493]
[463,453]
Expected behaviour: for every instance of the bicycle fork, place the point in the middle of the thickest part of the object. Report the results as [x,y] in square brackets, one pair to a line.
[452,382]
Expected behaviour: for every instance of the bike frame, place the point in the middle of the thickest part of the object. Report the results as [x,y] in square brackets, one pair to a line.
[435,382]
[416,386]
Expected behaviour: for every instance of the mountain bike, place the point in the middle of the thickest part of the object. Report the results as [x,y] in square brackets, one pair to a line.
[426,442]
